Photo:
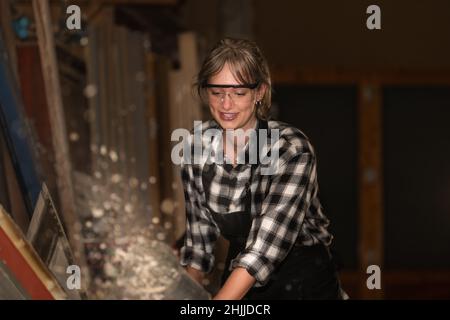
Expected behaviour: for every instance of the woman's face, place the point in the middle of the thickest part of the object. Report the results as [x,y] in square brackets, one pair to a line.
[232,108]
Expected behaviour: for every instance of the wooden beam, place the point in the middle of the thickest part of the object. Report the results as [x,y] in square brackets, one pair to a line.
[57,121]
[370,183]
[316,76]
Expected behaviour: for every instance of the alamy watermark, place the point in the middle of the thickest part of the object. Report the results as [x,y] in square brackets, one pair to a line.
[73,21]
[374,280]
[207,146]
[73,281]
[373,22]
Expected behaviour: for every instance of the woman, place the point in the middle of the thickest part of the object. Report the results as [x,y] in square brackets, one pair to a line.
[274,222]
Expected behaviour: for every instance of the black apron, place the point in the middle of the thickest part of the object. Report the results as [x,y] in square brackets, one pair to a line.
[305,273]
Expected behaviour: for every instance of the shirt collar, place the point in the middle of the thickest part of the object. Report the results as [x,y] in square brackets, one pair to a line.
[260,124]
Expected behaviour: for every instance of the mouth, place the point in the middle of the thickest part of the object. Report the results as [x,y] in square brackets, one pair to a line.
[228,116]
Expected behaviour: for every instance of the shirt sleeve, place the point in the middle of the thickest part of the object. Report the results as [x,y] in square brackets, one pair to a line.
[276,229]
[201,231]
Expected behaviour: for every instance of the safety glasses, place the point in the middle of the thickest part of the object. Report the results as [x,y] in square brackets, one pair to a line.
[239,94]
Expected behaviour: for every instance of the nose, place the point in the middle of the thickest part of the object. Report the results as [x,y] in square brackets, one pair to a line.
[227,102]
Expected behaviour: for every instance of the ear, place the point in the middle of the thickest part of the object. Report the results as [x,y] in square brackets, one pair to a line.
[261,92]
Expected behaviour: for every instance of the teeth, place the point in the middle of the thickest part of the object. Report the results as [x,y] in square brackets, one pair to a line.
[228,115]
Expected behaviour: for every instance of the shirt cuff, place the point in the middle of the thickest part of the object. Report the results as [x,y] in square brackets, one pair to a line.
[196,258]
[256,264]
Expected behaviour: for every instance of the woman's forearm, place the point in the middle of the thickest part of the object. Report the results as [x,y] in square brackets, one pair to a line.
[236,286]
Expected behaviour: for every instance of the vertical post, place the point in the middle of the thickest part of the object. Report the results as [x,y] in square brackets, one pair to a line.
[153,134]
[57,122]
[163,96]
[370,248]
[184,110]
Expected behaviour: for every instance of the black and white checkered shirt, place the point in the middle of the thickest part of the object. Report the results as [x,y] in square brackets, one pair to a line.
[285,206]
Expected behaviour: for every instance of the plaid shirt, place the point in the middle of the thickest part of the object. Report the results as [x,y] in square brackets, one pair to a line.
[285,207]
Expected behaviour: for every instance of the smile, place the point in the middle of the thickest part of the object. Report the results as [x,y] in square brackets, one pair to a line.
[228,116]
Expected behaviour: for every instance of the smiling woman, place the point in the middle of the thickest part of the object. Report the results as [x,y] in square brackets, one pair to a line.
[274,222]
[232,103]
[237,64]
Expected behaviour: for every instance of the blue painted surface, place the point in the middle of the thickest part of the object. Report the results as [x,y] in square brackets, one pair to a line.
[15,133]
[21,27]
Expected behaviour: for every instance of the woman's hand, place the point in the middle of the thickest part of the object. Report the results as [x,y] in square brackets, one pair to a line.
[236,286]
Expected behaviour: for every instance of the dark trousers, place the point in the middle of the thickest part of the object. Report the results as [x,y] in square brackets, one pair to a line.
[307,273]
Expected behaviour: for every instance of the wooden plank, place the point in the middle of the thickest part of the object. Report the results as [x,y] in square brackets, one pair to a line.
[370,180]
[21,259]
[57,120]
